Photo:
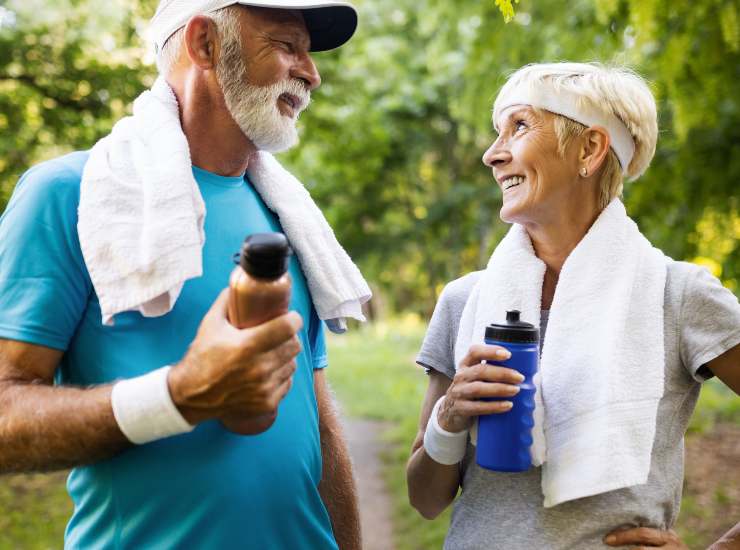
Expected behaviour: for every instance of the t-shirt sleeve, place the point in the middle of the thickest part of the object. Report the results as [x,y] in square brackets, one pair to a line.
[317,338]
[710,322]
[44,285]
[438,348]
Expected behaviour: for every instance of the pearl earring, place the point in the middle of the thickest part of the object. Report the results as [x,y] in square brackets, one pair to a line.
[584,171]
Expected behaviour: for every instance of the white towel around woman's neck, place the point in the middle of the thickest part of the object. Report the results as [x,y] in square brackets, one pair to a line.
[141,219]
[601,370]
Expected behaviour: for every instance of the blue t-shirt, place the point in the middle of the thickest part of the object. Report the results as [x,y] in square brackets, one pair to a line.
[206,489]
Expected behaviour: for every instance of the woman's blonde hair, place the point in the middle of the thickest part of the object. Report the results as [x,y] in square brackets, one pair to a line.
[615,91]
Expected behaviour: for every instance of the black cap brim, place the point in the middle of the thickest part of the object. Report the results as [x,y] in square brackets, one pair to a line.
[329,27]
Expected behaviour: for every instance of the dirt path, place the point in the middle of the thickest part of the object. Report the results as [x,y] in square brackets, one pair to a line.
[711,502]
[375,504]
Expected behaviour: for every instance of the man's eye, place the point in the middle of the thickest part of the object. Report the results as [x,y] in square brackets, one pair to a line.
[287,45]
[519,125]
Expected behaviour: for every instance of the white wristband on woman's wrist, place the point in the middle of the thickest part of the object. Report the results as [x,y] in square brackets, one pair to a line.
[442,446]
[144,410]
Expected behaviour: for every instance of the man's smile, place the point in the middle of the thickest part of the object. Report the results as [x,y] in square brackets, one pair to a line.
[294,103]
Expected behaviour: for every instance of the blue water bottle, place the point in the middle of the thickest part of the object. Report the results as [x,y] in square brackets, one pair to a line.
[504,439]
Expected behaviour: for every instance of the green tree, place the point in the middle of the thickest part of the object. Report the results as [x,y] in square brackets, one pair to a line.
[405,120]
[393,140]
[68,71]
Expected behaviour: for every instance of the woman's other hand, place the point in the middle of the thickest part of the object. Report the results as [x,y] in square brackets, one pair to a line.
[475,380]
[645,537]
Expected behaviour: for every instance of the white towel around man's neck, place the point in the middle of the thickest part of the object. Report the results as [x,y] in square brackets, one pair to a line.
[601,370]
[141,218]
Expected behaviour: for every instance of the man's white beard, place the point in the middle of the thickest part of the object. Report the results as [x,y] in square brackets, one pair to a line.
[255,108]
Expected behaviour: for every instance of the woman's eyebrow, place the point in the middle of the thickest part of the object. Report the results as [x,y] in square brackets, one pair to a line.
[518,112]
[508,119]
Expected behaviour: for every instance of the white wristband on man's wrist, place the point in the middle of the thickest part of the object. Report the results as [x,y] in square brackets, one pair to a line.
[442,446]
[144,410]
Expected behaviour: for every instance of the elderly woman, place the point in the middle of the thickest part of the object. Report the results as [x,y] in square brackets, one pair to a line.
[627,334]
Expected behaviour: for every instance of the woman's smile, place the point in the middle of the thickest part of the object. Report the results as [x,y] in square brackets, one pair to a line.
[510,182]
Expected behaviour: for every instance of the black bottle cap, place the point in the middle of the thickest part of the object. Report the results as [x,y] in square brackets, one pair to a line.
[514,330]
[265,255]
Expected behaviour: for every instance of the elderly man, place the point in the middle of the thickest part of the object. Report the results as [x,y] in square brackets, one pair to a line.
[112,266]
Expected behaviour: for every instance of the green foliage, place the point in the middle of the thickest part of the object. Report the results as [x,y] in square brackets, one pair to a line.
[366,364]
[373,373]
[35,511]
[392,143]
[68,71]
[717,403]
[507,10]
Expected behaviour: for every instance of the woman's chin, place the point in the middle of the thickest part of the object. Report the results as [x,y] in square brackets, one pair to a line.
[509,213]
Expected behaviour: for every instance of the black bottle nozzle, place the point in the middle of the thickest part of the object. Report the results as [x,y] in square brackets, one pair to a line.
[512,317]
[265,255]
[513,330]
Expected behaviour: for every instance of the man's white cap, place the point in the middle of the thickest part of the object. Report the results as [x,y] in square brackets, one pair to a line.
[330,24]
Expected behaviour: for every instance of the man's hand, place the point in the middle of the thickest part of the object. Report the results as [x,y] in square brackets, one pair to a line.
[475,380]
[645,537]
[236,373]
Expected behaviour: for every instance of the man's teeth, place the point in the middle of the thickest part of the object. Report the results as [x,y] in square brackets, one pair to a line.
[511,182]
[288,100]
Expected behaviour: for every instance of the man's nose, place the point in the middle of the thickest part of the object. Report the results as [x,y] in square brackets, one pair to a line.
[305,69]
[496,155]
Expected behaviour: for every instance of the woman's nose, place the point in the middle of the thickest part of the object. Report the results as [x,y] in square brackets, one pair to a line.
[496,155]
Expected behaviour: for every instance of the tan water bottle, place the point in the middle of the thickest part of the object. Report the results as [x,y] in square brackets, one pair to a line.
[259,290]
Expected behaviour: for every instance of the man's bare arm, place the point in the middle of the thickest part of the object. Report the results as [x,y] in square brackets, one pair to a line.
[337,486]
[43,427]
[226,371]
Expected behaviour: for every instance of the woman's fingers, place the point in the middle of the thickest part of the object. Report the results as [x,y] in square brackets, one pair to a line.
[645,536]
[489,373]
[484,352]
[455,414]
[477,408]
[480,390]
[475,382]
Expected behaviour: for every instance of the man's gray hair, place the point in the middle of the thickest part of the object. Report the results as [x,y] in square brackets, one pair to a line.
[229,29]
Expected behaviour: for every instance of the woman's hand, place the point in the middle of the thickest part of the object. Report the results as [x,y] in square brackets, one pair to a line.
[475,380]
[645,537]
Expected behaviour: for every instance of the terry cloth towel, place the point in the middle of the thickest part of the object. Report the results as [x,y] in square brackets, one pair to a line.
[141,219]
[601,370]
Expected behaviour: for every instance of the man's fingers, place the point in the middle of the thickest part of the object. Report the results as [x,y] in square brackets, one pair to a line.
[285,352]
[284,373]
[220,307]
[284,388]
[271,334]
[638,535]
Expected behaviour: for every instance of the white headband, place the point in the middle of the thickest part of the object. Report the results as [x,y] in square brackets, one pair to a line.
[571,105]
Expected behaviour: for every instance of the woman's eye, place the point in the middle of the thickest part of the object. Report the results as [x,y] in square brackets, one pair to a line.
[520,124]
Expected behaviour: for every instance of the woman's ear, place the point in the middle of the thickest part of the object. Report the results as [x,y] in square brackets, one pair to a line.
[594,147]
[200,42]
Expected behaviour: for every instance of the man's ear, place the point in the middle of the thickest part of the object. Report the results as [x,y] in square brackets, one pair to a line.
[201,42]
[594,147]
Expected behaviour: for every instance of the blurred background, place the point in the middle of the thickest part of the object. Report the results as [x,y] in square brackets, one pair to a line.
[391,150]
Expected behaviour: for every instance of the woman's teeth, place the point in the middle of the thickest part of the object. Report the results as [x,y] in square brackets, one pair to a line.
[513,182]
